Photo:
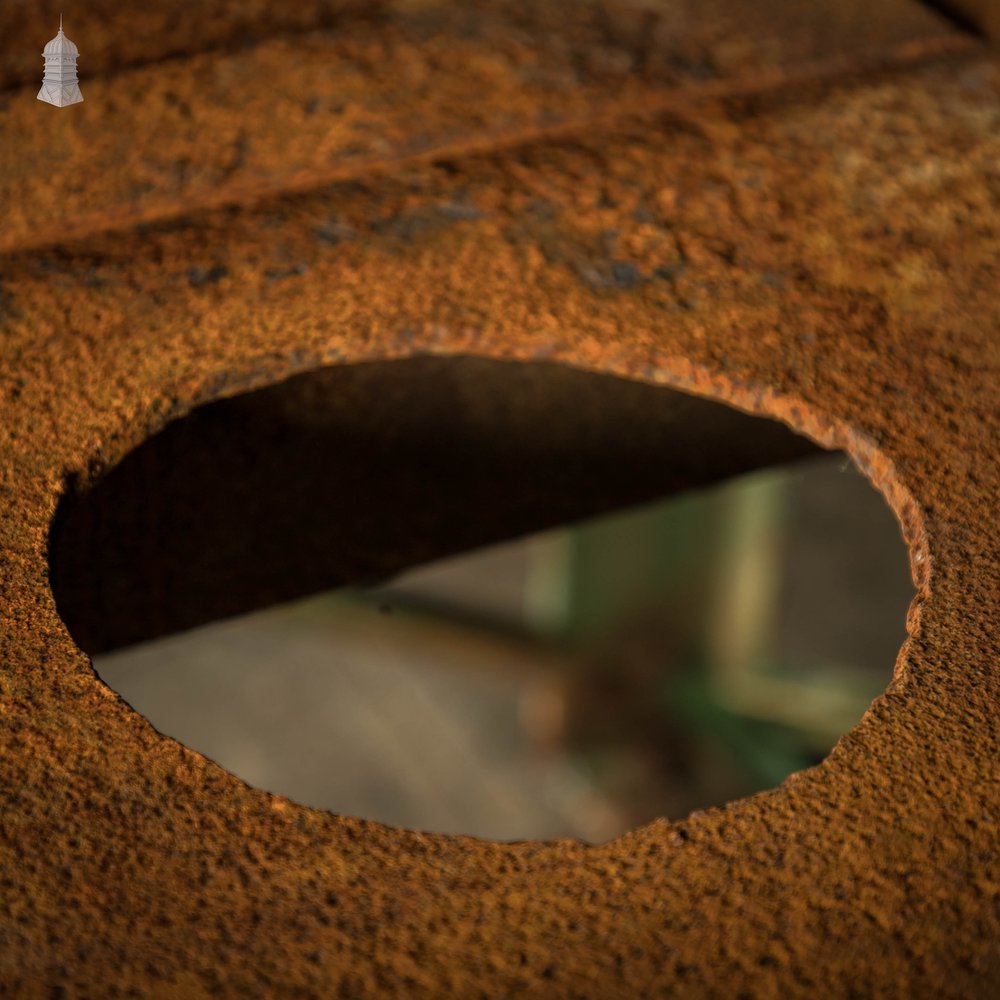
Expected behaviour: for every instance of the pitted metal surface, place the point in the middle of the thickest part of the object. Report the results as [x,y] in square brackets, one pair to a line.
[796,217]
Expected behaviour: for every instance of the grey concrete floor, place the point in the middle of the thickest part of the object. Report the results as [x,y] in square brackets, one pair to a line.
[436,726]
[342,707]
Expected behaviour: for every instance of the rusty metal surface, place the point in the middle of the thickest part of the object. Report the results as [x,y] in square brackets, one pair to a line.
[357,99]
[808,240]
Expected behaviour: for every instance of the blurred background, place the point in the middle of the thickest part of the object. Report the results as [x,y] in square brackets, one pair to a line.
[574,683]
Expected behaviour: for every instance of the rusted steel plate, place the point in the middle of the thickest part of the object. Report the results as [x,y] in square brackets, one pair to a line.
[826,255]
[113,37]
[296,111]
[605,34]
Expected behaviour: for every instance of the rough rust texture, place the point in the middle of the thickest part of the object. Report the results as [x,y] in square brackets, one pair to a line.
[432,82]
[112,36]
[824,252]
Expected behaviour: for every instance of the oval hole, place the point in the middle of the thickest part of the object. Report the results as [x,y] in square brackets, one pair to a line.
[660,630]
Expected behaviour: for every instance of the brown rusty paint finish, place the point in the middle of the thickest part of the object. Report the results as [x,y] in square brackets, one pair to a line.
[826,255]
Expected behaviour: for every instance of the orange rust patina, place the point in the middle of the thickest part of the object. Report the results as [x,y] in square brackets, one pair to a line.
[790,208]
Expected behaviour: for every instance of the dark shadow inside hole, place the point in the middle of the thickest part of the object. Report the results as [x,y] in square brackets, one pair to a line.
[350,474]
[645,690]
